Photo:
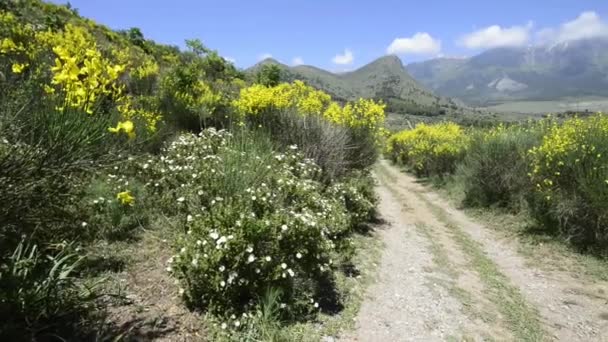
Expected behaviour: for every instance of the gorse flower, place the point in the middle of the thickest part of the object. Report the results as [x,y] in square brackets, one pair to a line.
[18,68]
[125,198]
[126,127]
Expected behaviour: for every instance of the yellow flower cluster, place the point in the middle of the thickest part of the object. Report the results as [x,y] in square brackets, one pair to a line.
[576,145]
[125,198]
[148,68]
[196,97]
[428,148]
[126,127]
[81,71]
[15,34]
[307,100]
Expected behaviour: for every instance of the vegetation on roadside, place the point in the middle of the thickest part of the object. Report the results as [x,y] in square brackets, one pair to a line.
[555,171]
[106,134]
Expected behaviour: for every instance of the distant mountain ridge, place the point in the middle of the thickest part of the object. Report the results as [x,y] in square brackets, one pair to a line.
[386,78]
[570,69]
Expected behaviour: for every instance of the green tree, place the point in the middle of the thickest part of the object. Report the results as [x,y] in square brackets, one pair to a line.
[269,75]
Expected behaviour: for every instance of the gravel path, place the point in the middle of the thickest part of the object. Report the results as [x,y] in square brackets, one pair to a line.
[430,288]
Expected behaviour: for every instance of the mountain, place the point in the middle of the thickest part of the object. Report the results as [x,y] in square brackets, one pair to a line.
[569,69]
[385,78]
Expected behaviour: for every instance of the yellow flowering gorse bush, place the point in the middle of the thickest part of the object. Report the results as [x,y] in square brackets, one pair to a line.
[80,73]
[569,172]
[429,149]
[306,100]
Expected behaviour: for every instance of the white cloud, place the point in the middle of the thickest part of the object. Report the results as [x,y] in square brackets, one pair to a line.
[230,59]
[420,43]
[297,61]
[346,58]
[264,56]
[586,25]
[496,36]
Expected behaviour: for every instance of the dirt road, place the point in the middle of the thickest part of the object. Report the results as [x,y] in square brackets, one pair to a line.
[445,277]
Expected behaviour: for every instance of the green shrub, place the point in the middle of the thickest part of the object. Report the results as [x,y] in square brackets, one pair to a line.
[570,178]
[105,215]
[252,219]
[357,194]
[41,297]
[495,169]
[325,143]
[45,157]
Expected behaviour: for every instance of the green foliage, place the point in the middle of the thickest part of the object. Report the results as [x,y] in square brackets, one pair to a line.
[268,75]
[494,170]
[84,115]
[252,219]
[570,177]
[41,297]
[106,217]
[325,143]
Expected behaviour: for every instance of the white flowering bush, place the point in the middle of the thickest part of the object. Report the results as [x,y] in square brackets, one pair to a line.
[357,194]
[252,220]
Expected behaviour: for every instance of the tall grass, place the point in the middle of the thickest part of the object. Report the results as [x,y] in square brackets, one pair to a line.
[495,169]
[41,297]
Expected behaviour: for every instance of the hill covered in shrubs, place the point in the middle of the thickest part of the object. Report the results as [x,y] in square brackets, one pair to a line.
[106,135]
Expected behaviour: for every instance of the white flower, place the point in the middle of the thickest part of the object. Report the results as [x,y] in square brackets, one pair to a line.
[194,262]
[221,240]
[237,324]
[249,249]
[316,305]
[299,255]
[169,269]
[268,258]
[257,271]
[251,258]
[222,268]
[233,316]
[199,242]
[284,227]
[84,224]
[181,199]
[253,198]
[283,265]
[293,147]
[283,305]
[291,273]
[214,235]
[224,326]
[181,291]
[200,192]
[189,218]
[183,250]
[222,283]
[230,237]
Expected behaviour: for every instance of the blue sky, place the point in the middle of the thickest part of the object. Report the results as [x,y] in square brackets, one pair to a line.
[341,35]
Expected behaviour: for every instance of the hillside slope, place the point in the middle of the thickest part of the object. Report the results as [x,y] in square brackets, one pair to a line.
[569,69]
[385,78]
